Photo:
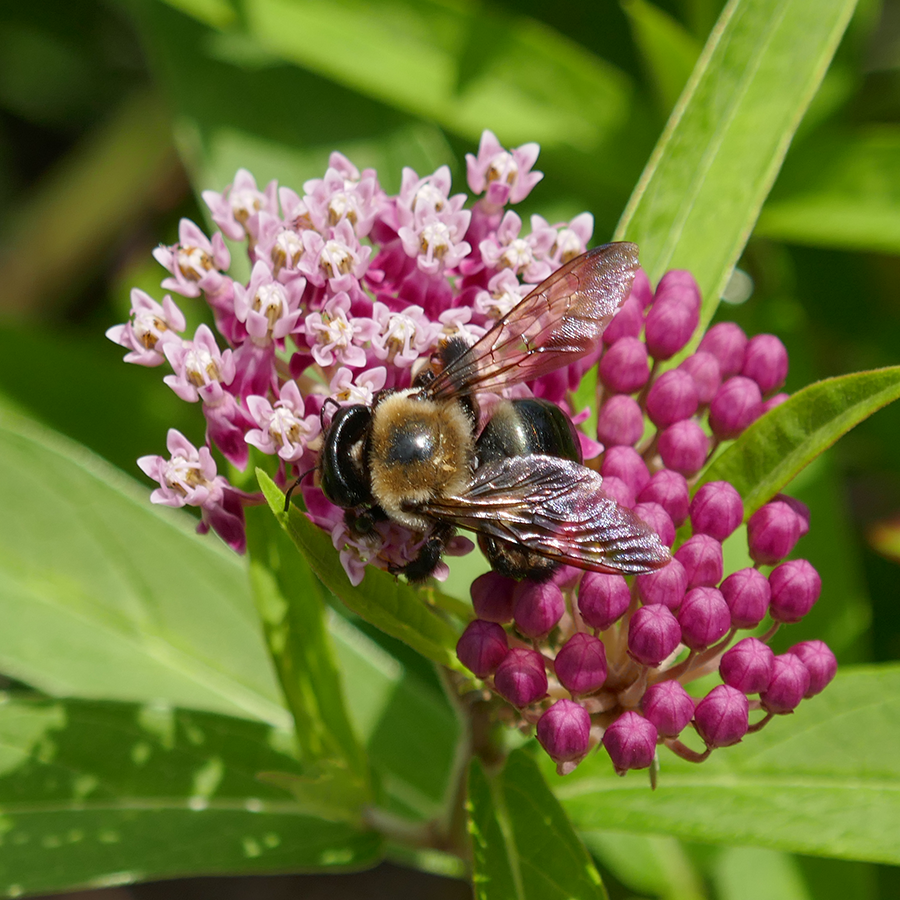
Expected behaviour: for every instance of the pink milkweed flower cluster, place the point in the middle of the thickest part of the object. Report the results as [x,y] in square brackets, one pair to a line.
[593,659]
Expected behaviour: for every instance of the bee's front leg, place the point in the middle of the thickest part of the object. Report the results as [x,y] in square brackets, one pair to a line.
[423,566]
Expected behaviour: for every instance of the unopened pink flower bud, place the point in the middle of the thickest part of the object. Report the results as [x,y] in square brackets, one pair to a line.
[564,731]
[789,682]
[627,322]
[653,634]
[704,618]
[772,532]
[521,678]
[819,662]
[796,586]
[716,510]
[618,490]
[772,402]
[666,586]
[722,717]
[668,706]
[799,507]
[624,367]
[701,556]
[620,421]
[683,447]
[672,397]
[625,463]
[658,519]
[674,315]
[670,490]
[482,647]
[735,406]
[747,594]
[704,368]
[492,597]
[766,362]
[728,344]
[580,664]
[630,742]
[747,666]
[538,607]
[602,599]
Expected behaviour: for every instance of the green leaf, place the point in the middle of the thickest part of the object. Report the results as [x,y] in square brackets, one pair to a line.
[776,447]
[523,844]
[102,595]
[290,605]
[668,51]
[706,181]
[746,873]
[823,781]
[839,190]
[97,793]
[397,609]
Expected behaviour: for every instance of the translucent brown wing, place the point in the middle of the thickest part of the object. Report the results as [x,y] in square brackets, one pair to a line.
[560,321]
[556,508]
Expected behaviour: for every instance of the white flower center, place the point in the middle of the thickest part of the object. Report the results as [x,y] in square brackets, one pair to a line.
[429,194]
[285,427]
[436,237]
[244,203]
[518,255]
[271,302]
[193,262]
[200,366]
[503,168]
[336,259]
[289,245]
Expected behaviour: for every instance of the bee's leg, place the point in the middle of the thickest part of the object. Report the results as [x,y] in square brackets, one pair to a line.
[362,524]
[425,563]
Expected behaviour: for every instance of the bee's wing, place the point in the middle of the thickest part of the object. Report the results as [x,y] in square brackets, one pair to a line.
[560,321]
[556,508]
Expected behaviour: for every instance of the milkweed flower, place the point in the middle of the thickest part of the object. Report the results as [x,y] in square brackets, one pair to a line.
[351,291]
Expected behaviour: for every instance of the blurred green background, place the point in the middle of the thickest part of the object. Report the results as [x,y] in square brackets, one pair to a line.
[113,113]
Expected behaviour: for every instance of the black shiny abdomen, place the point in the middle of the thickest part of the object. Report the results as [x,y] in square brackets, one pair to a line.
[526,427]
[344,473]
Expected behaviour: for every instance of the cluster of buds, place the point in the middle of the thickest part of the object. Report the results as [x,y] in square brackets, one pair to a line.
[593,658]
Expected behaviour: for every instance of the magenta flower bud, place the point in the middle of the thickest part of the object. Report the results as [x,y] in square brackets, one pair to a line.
[580,665]
[492,597]
[683,447]
[626,463]
[722,717]
[672,397]
[735,406]
[819,662]
[482,647]
[799,507]
[618,490]
[747,666]
[670,490]
[630,742]
[796,586]
[627,322]
[564,731]
[620,421]
[624,367]
[653,634]
[788,685]
[704,618]
[666,586]
[766,362]
[521,678]
[772,402]
[701,556]
[538,607]
[670,323]
[772,532]
[716,510]
[747,594]
[658,519]
[603,599]
[641,289]
[704,368]
[680,285]
[728,344]
[566,576]
[668,707]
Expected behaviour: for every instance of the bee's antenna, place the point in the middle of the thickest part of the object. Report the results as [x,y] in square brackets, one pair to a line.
[290,490]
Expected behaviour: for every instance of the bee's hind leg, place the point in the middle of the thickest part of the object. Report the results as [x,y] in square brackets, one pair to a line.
[423,566]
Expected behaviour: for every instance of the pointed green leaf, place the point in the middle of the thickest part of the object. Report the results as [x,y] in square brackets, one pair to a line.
[395,608]
[776,447]
[103,595]
[290,605]
[98,793]
[704,185]
[823,781]
[524,845]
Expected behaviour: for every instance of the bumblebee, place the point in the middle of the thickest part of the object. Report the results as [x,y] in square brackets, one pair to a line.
[417,457]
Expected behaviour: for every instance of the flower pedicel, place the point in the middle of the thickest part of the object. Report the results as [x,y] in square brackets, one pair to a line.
[351,291]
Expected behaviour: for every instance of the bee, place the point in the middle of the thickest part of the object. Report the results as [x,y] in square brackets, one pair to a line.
[417,457]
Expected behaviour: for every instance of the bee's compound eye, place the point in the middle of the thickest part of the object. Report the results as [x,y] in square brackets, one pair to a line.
[413,441]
